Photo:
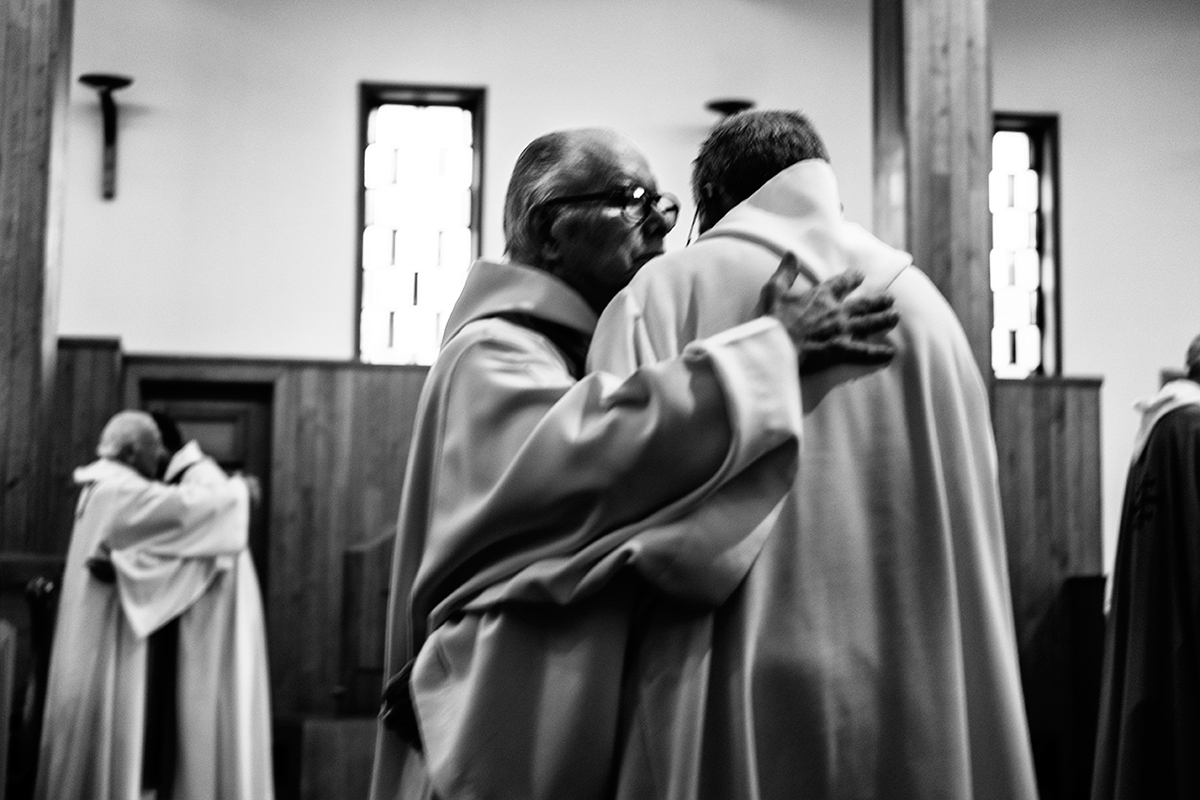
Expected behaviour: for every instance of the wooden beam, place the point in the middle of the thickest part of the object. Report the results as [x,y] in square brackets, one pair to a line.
[933,128]
[35,53]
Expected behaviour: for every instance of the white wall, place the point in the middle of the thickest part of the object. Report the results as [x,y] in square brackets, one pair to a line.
[1124,75]
[234,227]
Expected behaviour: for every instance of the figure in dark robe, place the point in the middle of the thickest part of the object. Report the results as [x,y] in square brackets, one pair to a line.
[1148,739]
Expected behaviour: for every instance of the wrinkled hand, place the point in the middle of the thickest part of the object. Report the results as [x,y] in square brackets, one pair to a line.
[826,328]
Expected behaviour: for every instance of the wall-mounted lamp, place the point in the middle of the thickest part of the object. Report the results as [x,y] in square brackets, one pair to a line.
[729,106]
[106,85]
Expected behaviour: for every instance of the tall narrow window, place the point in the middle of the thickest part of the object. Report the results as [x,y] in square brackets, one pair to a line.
[1023,199]
[421,165]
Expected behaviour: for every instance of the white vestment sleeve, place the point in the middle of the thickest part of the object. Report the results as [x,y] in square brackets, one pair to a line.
[169,543]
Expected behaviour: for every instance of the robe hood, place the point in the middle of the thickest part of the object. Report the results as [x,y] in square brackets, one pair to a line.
[187,456]
[1171,396]
[504,287]
[800,211]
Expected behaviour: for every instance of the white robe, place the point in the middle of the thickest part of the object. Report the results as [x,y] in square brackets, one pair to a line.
[535,505]
[171,546]
[224,692]
[870,651]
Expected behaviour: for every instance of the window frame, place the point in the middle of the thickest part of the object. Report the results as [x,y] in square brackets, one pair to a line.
[1043,132]
[371,95]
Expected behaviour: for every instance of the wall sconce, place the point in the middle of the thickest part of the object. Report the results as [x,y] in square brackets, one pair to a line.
[106,85]
[729,106]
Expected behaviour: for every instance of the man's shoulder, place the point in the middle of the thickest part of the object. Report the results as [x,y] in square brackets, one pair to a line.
[726,262]
[1183,421]
[111,475]
[918,300]
[491,337]
[485,350]
[1173,444]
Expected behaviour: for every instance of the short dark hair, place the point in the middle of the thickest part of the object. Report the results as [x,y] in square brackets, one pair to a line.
[168,429]
[745,150]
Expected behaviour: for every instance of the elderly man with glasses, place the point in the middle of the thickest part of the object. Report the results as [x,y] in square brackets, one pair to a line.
[538,499]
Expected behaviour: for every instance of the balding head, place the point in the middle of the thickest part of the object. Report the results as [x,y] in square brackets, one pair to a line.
[132,438]
[1192,361]
[558,163]
[584,236]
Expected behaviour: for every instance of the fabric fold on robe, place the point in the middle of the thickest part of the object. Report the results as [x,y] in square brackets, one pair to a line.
[225,727]
[162,575]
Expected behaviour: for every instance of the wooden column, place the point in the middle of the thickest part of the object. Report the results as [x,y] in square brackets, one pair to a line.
[35,54]
[933,129]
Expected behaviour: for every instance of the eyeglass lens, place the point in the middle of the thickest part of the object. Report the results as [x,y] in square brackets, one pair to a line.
[639,202]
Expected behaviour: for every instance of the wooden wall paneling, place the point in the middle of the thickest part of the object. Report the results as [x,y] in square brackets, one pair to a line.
[1048,450]
[87,392]
[63,427]
[383,421]
[1045,406]
[1083,508]
[369,424]
[345,520]
[284,591]
[199,369]
[368,574]
[312,459]
[373,460]
[1047,436]
[1028,570]
[316,539]
[1049,455]
[384,411]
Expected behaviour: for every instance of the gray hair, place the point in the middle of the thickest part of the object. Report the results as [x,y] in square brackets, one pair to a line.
[127,431]
[532,182]
[745,150]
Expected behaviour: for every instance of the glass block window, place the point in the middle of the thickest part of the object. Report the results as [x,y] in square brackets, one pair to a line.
[1023,261]
[421,164]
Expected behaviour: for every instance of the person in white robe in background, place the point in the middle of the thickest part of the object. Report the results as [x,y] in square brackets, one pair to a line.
[141,554]
[870,651]
[224,692]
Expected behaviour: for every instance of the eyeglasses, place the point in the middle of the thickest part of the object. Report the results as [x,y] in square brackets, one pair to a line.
[635,203]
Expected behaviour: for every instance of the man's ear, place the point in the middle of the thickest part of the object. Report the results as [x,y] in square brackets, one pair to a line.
[547,242]
[706,207]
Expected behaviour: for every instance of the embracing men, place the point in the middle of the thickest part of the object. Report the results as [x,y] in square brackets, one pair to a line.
[602,584]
